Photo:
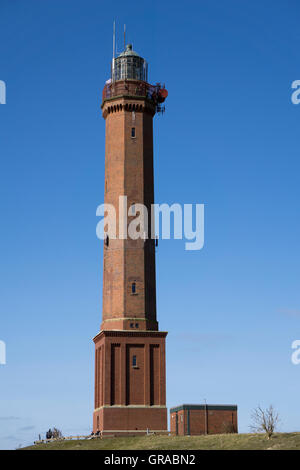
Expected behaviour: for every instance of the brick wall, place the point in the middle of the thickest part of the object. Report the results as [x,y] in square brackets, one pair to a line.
[130,379]
[129,172]
[201,419]
[125,389]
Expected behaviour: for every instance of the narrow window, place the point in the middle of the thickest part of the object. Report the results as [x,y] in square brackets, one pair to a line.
[133,288]
[133,132]
[131,325]
[133,361]
[107,240]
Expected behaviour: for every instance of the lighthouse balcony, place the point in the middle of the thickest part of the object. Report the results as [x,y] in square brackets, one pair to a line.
[132,89]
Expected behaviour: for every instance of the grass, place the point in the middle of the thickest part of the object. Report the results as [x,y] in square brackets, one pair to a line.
[280,441]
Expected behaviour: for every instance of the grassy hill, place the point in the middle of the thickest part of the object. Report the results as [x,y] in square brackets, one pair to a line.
[280,441]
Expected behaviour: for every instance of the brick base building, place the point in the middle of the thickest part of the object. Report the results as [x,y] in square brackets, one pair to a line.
[130,385]
[193,420]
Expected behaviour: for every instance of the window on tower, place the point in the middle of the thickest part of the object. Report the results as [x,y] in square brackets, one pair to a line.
[133,132]
[133,288]
[134,363]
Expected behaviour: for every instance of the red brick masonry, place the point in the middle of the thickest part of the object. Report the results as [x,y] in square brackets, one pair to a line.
[130,394]
[130,377]
[203,419]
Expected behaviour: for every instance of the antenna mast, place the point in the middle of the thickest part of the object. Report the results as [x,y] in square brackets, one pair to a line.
[124,37]
[114,51]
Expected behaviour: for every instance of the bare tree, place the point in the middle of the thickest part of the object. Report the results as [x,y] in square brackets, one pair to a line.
[264,420]
[56,433]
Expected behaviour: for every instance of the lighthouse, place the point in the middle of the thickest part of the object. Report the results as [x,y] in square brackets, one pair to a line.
[130,372]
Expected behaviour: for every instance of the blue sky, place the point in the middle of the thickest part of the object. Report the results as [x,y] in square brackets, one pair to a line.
[229,139]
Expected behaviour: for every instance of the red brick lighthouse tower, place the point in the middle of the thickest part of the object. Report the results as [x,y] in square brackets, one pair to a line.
[130,380]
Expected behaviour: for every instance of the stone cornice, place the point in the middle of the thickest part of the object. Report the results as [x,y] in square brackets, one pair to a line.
[127,103]
[129,333]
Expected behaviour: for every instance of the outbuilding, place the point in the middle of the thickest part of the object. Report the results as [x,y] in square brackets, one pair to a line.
[193,420]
